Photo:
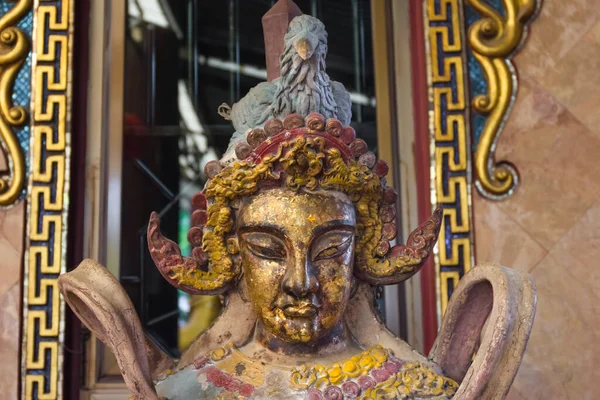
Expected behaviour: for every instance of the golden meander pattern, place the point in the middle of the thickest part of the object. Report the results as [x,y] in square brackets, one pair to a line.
[451,163]
[43,320]
[15,46]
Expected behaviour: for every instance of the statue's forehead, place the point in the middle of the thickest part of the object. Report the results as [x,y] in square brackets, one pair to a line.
[287,209]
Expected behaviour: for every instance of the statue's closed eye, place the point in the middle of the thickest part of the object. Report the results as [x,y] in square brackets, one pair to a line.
[265,245]
[269,246]
[332,245]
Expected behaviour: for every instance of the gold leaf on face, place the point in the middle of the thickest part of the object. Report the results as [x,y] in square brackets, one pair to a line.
[298,293]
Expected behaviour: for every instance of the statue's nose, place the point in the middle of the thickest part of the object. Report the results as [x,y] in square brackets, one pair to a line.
[300,279]
[304,48]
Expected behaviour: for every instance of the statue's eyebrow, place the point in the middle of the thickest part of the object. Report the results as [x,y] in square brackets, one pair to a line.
[262,227]
[342,224]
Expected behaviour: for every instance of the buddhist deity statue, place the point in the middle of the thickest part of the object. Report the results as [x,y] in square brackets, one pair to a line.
[293,228]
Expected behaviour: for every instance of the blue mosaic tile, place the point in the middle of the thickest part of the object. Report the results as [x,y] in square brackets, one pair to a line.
[477,79]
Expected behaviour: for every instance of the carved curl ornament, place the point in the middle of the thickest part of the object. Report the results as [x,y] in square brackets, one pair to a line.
[300,154]
[494,39]
[14,48]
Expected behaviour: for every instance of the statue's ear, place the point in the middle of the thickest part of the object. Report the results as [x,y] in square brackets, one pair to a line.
[402,261]
[194,275]
[489,317]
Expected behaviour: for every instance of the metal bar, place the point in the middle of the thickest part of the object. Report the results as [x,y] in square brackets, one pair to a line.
[174,201]
[237,49]
[195,50]
[363,53]
[231,47]
[142,296]
[157,182]
[192,50]
[356,53]
[150,117]
[130,279]
[161,318]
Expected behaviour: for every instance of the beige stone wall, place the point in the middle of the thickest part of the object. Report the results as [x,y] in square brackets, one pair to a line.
[551,226]
[11,247]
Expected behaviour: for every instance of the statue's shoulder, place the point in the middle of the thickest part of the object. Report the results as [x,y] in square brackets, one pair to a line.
[226,372]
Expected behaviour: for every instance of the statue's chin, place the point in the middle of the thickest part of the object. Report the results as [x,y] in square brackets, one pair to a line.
[292,329]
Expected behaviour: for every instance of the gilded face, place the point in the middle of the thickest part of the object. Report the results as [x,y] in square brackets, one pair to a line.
[297,256]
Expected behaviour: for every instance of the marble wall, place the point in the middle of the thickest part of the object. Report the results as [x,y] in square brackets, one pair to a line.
[11,247]
[551,226]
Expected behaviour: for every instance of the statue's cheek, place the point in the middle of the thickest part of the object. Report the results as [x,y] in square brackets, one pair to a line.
[335,279]
[263,279]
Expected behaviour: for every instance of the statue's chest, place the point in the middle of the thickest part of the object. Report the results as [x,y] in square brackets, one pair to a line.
[228,374]
[239,382]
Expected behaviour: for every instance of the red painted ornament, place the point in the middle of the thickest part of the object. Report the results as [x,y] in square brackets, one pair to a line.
[389,195]
[273,127]
[334,127]
[199,201]
[368,159]
[212,169]
[381,168]
[242,151]
[382,248]
[199,218]
[199,255]
[358,147]
[389,231]
[195,236]
[256,137]
[387,213]
[293,121]
[315,122]
[348,135]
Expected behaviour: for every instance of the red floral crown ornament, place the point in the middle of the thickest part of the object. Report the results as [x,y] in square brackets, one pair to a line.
[261,142]
[309,153]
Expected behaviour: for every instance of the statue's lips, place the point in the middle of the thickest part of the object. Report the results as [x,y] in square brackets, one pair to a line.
[300,310]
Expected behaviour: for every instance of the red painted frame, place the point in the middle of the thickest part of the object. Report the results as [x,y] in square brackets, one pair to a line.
[74,342]
[420,90]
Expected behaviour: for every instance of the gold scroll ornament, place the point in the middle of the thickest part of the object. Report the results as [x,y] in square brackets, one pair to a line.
[14,48]
[494,40]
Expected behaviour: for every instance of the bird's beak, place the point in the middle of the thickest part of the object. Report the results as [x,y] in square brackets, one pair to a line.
[305,46]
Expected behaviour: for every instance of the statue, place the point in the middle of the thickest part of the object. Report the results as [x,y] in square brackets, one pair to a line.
[292,229]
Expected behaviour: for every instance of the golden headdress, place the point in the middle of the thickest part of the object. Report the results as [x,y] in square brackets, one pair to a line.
[301,154]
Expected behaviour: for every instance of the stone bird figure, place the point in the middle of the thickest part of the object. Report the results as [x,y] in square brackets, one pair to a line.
[303,86]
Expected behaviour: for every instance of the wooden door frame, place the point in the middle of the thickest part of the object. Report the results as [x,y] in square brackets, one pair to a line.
[103,163]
